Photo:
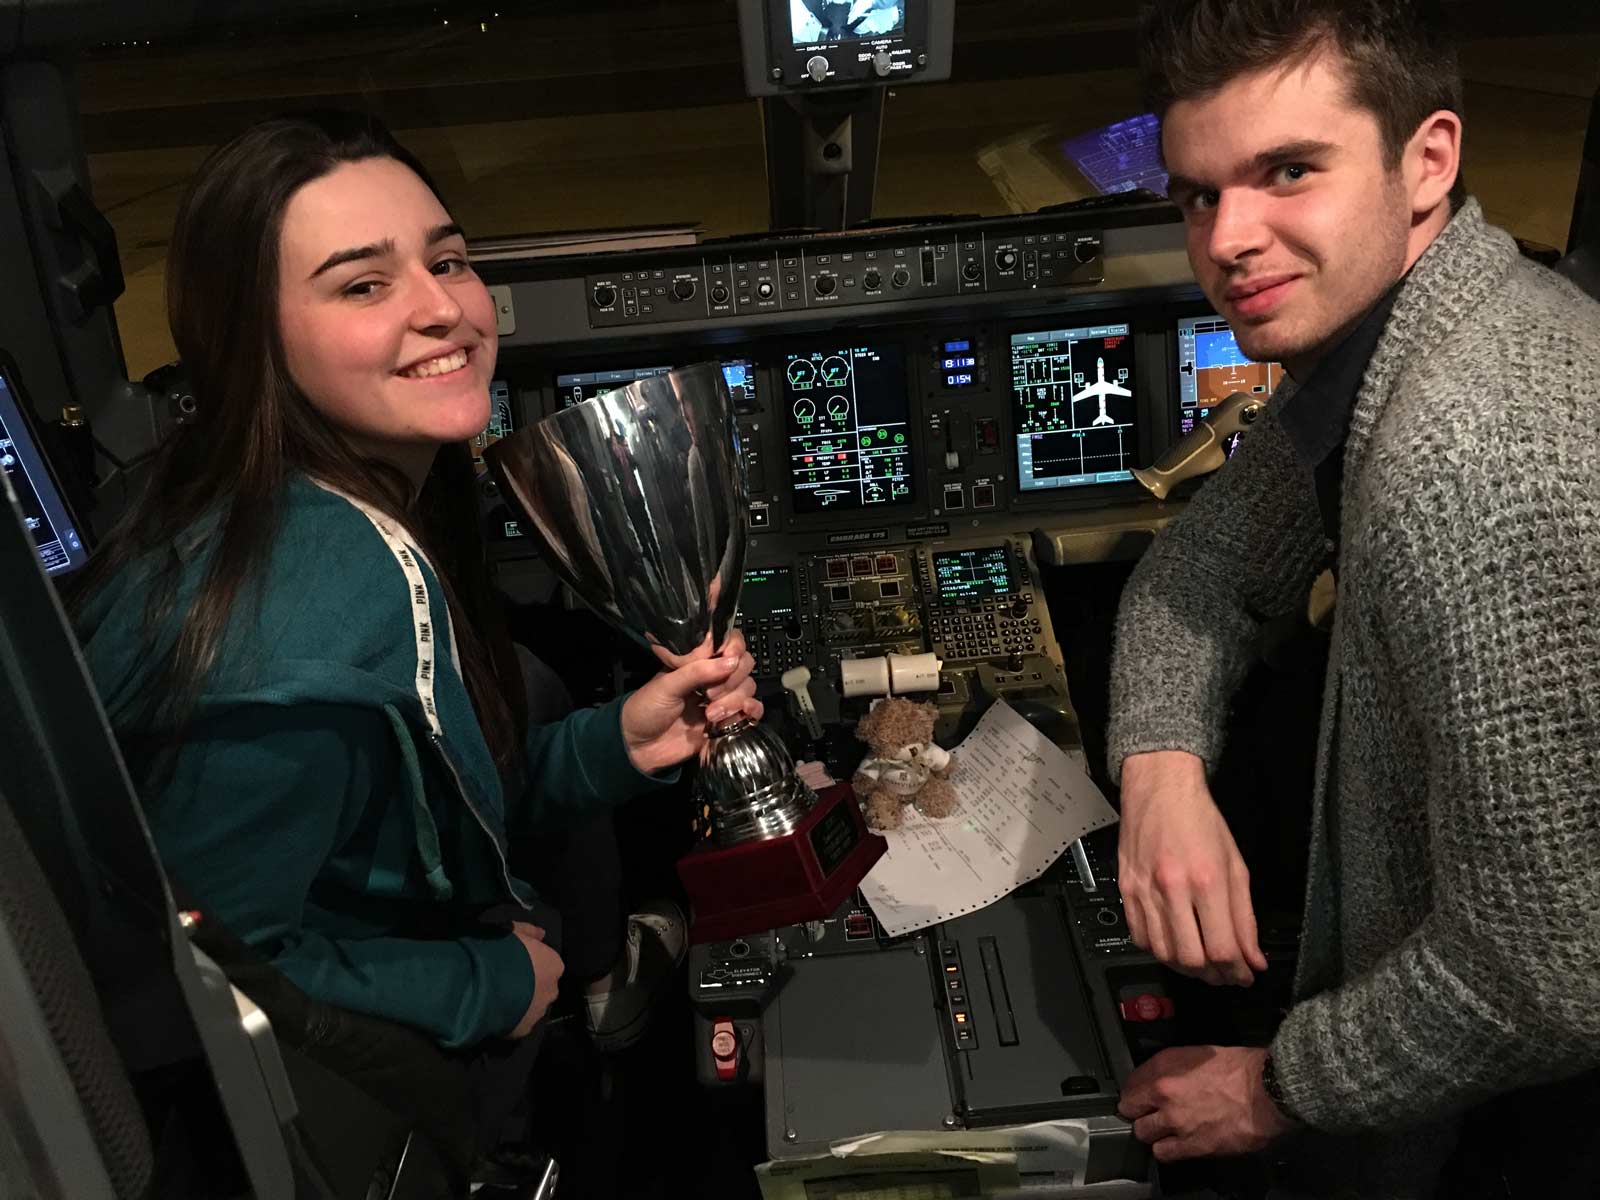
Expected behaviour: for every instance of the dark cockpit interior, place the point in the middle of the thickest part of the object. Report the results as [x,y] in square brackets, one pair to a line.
[923,255]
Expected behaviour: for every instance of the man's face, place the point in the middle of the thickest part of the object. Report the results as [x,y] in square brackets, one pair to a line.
[1295,226]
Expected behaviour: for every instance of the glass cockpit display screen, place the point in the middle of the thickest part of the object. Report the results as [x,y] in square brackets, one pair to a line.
[44,511]
[1073,406]
[1211,367]
[576,387]
[828,22]
[848,420]
[963,575]
[741,376]
[500,424]
[767,592]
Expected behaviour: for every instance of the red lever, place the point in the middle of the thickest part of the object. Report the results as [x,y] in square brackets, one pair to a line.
[725,1049]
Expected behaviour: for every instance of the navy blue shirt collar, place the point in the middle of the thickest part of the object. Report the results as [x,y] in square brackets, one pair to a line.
[1317,417]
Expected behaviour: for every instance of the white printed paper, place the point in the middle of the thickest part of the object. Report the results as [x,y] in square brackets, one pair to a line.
[1023,801]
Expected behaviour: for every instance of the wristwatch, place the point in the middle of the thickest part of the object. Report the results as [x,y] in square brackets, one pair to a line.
[1274,1089]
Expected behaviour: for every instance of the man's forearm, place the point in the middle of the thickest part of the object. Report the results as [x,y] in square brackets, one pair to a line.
[1436,1026]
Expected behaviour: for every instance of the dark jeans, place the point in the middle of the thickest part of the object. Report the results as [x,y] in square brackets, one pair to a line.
[578,870]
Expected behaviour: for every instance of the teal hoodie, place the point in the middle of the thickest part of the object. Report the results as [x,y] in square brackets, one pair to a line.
[334,802]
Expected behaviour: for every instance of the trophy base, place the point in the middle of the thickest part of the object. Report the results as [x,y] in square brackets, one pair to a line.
[802,876]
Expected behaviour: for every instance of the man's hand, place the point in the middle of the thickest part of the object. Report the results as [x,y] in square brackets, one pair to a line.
[547,968]
[1201,1100]
[1185,889]
[664,722]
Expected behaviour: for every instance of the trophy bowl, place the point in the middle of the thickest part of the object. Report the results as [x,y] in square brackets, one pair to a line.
[638,497]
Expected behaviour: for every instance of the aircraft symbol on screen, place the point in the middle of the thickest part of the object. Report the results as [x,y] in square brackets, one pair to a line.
[1100,389]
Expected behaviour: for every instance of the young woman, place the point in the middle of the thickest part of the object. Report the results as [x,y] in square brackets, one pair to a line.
[294,632]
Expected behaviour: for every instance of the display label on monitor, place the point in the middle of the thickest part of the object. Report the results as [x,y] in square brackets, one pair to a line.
[767,592]
[1073,406]
[44,512]
[1211,367]
[963,575]
[848,420]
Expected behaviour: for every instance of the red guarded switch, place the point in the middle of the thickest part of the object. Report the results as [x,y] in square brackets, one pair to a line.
[1147,1007]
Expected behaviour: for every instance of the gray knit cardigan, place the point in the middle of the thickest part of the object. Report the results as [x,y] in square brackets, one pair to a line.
[1451,947]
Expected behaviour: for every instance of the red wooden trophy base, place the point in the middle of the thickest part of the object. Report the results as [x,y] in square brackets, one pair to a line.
[803,876]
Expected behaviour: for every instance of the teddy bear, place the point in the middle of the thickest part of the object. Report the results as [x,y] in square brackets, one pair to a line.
[903,765]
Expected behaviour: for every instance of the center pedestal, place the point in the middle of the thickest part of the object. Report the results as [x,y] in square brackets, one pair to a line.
[802,876]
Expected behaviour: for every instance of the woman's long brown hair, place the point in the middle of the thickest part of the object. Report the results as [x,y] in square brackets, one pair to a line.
[254,429]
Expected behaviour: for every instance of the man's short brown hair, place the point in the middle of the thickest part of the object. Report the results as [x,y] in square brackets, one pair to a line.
[1399,55]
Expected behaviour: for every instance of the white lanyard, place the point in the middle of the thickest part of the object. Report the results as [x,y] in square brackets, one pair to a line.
[421,610]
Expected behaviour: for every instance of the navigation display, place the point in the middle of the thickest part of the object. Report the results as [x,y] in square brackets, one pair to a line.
[1211,367]
[1073,406]
[847,417]
[55,536]
[767,592]
[963,575]
[825,22]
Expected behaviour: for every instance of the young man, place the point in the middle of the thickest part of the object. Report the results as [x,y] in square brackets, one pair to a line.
[1437,447]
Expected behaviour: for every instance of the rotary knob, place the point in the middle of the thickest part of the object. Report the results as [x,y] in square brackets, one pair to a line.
[900,278]
[1086,250]
[605,296]
[719,293]
[764,289]
[971,271]
[1005,258]
[882,64]
[817,68]
[683,289]
[872,280]
[826,284]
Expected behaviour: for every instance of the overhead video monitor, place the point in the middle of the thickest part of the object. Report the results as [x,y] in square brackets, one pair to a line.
[848,420]
[803,45]
[1211,367]
[44,508]
[827,22]
[1074,406]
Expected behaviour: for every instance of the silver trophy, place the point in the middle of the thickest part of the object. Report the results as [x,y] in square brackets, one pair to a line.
[638,497]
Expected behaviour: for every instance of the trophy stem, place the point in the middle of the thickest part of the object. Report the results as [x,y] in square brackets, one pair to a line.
[774,812]
[748,779]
